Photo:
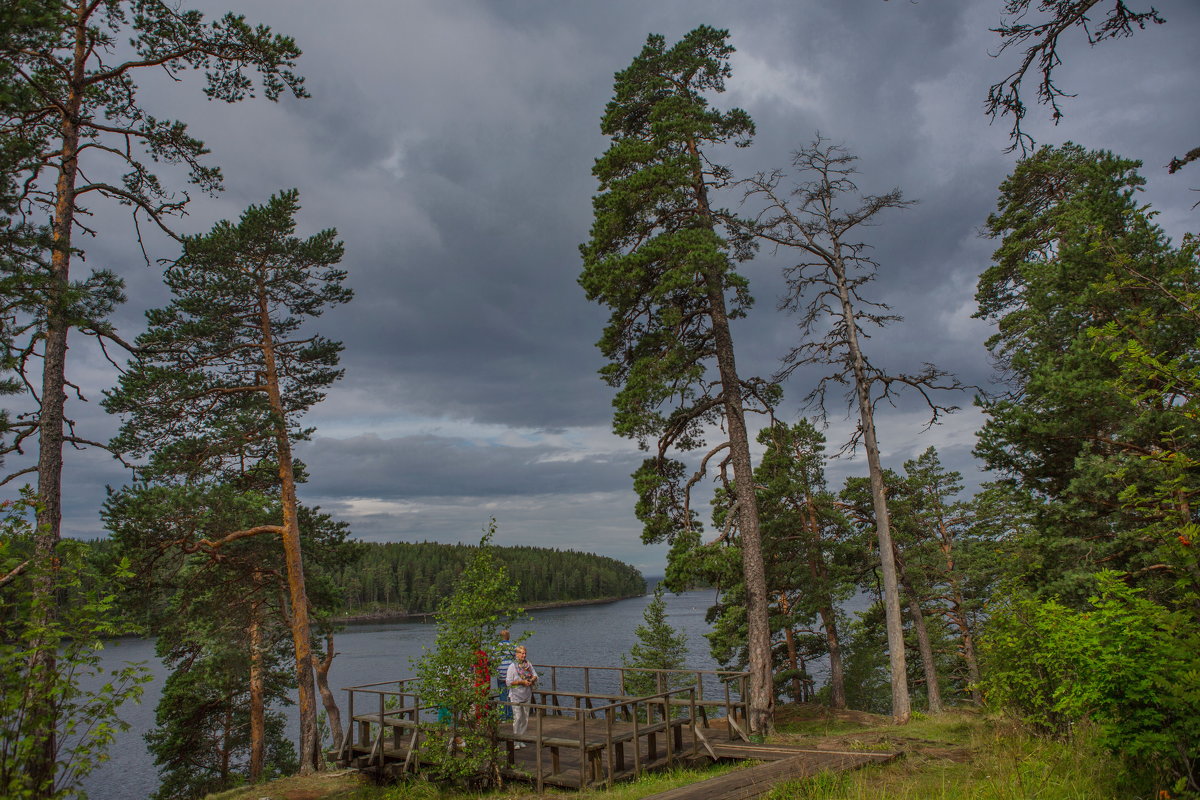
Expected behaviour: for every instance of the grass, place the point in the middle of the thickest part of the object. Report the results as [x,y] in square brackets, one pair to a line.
[952,756]
[961,757]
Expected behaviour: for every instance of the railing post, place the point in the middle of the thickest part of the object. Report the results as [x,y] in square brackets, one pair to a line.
[608,723]
[537,751]
[667,732]
[584,766]
[695,735]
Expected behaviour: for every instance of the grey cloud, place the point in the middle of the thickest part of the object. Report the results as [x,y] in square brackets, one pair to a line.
[451,145]
[426,466]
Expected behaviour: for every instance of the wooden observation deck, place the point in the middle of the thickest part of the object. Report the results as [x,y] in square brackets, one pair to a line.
[585,729]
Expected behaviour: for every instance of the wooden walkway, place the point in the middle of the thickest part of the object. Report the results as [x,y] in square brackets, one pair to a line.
[581,738]
[782,764]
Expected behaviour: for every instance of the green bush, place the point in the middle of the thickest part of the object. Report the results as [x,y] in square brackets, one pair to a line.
[1129,665]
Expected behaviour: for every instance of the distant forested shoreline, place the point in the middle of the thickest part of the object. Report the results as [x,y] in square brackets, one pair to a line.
[378,581]
[396,579]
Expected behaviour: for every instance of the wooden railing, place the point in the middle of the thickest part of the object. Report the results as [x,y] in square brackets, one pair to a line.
[394,708]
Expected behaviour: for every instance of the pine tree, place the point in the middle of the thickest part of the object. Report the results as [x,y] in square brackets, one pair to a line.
[69,115]
[657,258]
[225,375]
[658,646]
[1065,431]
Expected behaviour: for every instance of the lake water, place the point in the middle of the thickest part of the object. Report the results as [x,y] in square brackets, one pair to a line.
[596,635]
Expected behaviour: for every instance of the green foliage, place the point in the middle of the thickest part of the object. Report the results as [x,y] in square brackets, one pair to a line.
[86,698]
[197,401]
[414,577]
[868,686]
[201,739]
[1165,383]
[1067,433]
[656,259]
[658,646]
[203,610]
[457,674]
[1129,665]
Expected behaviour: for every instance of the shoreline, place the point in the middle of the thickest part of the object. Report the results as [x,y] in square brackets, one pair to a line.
[428,616]
[378,617]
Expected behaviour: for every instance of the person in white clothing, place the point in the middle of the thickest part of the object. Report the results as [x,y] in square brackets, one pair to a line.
[521,678]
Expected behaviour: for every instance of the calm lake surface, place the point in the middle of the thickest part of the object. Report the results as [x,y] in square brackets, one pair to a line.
[596,635]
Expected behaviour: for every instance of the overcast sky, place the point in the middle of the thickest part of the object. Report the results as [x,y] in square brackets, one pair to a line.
[451,143]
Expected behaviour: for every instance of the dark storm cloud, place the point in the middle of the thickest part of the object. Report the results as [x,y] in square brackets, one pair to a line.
[451,143]
[411,467]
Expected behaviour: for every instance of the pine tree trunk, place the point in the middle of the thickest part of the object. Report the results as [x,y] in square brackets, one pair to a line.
[837,677]
[310,750]
[933,687]
[51,415]
[258,726]
[816,568]
[762,689]
[958,614]
[901,705]
[793,658]
[327,699]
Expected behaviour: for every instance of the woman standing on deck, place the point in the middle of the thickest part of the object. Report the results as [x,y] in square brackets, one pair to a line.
[521,678]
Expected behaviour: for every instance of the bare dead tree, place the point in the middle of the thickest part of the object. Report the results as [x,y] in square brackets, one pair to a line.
[825,290]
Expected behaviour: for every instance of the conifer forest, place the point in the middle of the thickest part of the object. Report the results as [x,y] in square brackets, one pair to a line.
[880,321]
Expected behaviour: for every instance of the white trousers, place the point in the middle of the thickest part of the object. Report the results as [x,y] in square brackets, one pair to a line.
[520,717]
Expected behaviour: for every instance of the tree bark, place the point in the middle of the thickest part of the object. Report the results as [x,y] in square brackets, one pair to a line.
[327,699]
[258,726]
[310,750]
[901,705]
[958,615]
[793,658]
[816,568]
[761,702]
[762,688]
[933,687]
[51,416]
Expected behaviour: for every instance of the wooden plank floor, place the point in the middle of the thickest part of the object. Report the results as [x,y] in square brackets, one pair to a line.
[561,751]
[744,784]
[560,758]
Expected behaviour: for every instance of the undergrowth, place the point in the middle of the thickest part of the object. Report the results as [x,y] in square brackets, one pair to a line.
[954,756]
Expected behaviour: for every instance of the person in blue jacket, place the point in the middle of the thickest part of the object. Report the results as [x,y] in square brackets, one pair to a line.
[504,651]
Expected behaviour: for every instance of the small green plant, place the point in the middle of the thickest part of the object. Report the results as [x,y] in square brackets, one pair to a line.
[84,723]
[456,676]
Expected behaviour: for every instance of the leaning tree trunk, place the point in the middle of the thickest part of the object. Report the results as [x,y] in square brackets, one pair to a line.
[761,703]
[310,746]
[901,705]
[933,687]
[762,687]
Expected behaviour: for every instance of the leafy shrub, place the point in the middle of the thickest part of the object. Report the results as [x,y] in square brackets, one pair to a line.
[1129,665]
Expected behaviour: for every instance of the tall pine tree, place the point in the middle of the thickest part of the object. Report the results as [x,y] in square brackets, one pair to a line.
[658,260]
[70,115]
[227,370]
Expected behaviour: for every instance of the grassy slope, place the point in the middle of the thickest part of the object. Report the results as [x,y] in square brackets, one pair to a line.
[954,756]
